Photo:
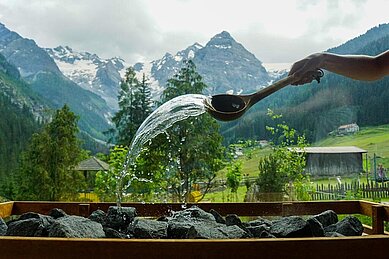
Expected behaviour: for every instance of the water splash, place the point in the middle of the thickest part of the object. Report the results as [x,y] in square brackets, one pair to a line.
[175,110]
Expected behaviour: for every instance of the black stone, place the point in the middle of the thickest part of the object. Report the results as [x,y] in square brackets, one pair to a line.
[220,231]
[293,226]
[193,213]
[266,234]
[233,219]
[120,218]
[257,231]
[349,226]
[217,216]
[327,218]
[178,229]
[333,234]
[3,227]
[57,213]
[181,221]
[30,227]
[75,226]
[143,228]
[316,227]
[98,216]
[260,221]
[113,233]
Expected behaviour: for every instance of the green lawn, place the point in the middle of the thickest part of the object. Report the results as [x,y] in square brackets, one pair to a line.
[226,196]
[373,139]
[249,161]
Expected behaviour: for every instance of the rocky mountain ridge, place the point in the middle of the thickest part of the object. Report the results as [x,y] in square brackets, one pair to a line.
[46,80]
[95,74]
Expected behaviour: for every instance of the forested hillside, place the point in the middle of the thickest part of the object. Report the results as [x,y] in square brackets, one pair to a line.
[317,109]
[17,123]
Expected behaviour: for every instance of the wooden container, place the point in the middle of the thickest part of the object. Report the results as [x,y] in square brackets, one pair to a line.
[374,244]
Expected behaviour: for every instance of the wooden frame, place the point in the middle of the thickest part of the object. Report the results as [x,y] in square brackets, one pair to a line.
[374,244]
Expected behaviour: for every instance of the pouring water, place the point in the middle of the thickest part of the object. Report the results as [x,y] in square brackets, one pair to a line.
[175,110]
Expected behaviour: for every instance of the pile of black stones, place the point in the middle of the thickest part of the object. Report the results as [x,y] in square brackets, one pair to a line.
[191,223]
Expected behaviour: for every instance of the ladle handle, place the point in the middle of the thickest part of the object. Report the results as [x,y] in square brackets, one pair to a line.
[281,84]
[272,89]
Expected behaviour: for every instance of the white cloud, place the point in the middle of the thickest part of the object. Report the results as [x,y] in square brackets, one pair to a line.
[275,31]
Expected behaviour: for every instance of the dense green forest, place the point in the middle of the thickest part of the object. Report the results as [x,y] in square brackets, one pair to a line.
[317,109]
[16,127]
[18,123]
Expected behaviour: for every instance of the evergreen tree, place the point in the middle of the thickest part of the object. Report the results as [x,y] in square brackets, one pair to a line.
[134,107]
[194,146]
[46,166]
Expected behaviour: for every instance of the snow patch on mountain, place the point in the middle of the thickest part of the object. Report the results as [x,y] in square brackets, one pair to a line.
[145,69]
[95,74]
[277,70]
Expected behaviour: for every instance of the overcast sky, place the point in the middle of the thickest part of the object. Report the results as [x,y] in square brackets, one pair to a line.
[275,31]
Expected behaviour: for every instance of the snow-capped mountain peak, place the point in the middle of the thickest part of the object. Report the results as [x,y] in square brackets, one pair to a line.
[101,76]
[224,64]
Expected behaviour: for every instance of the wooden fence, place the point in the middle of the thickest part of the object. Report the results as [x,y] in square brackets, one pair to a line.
[370,190]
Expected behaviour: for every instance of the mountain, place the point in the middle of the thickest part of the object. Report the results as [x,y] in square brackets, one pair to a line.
[317,109]
[224,64]
[228,67]
[20,111]
[38,69]
[354,45]
[100,76]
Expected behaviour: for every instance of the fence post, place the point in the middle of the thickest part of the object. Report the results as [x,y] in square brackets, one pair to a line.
[377,216]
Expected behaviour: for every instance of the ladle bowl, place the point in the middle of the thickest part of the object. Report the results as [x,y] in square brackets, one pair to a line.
[227,107]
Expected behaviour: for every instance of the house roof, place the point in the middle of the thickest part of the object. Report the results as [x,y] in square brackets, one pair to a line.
[348,126]
[331,150]
[92,164]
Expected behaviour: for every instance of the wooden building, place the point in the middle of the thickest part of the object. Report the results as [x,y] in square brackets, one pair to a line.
[333,161]
[90,167]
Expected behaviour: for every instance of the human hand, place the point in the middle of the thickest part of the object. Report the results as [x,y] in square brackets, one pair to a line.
[306,69]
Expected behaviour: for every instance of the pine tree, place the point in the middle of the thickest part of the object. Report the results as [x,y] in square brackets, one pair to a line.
[195,143]
[134,107]
[46,166]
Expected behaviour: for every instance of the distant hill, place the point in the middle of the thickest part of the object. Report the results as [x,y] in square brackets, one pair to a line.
[20,112]
[39,69]
[317,109]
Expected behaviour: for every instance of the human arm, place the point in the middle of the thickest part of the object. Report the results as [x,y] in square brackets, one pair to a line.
[359,67]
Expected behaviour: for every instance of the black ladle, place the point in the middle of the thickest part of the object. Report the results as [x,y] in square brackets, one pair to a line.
[227,107]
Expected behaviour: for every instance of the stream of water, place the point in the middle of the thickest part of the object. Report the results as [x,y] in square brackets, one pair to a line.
[177,109]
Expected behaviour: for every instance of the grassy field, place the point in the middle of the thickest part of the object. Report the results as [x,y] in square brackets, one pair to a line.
[226,196]
[373,139]
[249,161]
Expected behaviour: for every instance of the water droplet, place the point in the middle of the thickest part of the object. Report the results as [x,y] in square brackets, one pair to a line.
[177,109]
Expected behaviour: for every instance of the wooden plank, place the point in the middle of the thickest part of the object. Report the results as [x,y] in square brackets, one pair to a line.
[377,219]
[368,230]
[20,207]
[157,209]
[241,209]
[366,208]
[341,247]
[315,207]
[6,209]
